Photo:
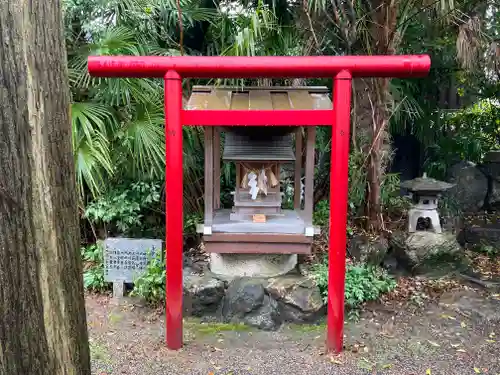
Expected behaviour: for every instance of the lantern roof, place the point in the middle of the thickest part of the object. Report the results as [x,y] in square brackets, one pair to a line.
[426,184]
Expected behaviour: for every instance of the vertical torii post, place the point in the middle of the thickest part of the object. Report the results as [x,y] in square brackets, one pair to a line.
[341,68]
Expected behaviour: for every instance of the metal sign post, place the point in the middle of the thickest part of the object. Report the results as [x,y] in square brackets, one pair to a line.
[341,68]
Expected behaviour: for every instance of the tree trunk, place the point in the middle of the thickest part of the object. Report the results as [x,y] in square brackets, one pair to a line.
[372,109]
[379,152]
[42,326]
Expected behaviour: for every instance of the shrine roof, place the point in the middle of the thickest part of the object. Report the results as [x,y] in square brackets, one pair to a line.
[263,98]
[267,143]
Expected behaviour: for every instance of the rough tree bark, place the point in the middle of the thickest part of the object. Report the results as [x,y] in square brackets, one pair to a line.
[42,313]
[372,109]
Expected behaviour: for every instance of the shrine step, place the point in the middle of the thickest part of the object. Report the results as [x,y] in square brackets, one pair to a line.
[256,203]
[257,243]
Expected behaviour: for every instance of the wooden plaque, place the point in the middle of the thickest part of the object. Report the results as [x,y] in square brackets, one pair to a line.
[259,218]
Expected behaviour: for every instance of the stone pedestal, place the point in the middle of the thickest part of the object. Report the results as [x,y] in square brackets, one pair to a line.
[229,266]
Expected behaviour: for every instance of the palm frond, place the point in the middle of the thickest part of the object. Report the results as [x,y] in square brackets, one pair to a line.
[469,43]
[126,91]
[117,40]
[144,141]
[93,167]
[406,109]
[243,33]
[90,120]
[92,127]
[192,12]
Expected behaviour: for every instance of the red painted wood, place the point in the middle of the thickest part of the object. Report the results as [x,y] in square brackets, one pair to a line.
[257,117]
[338,209]
[174,198]
[340,67]
[259,66]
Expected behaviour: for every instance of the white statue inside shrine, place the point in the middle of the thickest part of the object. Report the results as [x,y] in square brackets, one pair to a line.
[252,183]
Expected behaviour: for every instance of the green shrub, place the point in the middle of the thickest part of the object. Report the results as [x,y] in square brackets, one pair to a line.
[390,196]
[321,214]
[467,134]
[93,275]
[92,254]
[134,209]
[362,282]
[190,222]
[128,209]
[151,284]
[488,250]
[390,199]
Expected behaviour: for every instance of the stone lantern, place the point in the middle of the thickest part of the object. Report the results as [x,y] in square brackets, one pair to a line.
[425,193]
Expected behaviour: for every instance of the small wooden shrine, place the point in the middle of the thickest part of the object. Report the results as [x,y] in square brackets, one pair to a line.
[257,223]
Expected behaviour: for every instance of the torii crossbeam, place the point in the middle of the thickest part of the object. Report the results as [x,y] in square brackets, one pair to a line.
[341,68]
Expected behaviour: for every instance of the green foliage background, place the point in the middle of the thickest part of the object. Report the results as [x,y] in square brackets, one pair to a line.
[117,124]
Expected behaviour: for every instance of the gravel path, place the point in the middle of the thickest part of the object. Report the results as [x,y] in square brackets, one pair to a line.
[457,336]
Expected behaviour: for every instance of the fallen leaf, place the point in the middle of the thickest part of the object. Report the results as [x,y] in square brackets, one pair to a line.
[428,372]
[490,341]
[367,365]
[461,350]
[476,370]
[433,343]
[445,316]
[463,325]
[492,334]
[336,361]
[387,366]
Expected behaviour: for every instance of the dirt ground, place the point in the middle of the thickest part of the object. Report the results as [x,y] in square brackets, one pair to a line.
[456,333]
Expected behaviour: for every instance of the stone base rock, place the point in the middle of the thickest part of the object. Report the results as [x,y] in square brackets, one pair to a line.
[247,301]
[425,251]
[230,266]
[368,250]
[299,298]
[267,303]
[471,186]
[202,294]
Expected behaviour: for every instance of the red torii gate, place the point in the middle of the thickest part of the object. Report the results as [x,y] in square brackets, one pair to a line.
[341,68]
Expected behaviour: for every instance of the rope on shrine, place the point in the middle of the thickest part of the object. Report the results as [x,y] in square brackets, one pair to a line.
[263,176]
